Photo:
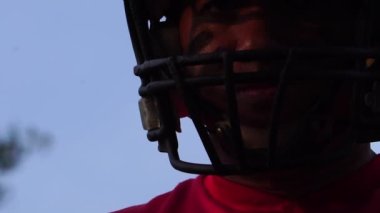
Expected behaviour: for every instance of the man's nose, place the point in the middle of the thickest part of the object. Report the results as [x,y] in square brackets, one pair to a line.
[251,35]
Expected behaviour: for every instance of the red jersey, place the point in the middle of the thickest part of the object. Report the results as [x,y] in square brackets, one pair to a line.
[356,193]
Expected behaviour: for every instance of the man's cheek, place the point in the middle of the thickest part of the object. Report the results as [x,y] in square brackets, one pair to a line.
[179,104]
[185,24]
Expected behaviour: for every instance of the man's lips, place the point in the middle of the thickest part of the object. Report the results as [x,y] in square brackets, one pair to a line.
[259,92]
[255,103]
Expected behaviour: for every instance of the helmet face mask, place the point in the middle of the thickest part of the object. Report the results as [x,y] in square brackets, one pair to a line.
[168,93]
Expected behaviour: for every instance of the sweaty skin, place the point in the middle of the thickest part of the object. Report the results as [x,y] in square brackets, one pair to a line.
[207,27]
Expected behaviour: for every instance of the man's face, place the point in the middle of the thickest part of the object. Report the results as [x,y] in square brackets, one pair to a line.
[212,26]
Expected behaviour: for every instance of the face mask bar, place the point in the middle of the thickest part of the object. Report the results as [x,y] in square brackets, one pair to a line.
[160,76]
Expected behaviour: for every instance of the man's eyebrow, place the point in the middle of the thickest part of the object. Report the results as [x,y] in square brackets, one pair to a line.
[199,41]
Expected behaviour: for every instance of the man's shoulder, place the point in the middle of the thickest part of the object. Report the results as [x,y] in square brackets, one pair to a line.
[172,201]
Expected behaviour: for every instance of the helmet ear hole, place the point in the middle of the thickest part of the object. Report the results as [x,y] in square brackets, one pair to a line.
[165,38]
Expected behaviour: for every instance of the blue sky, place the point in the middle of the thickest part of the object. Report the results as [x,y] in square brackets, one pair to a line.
[66,68]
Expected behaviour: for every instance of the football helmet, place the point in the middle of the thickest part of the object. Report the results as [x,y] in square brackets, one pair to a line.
[168,94]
